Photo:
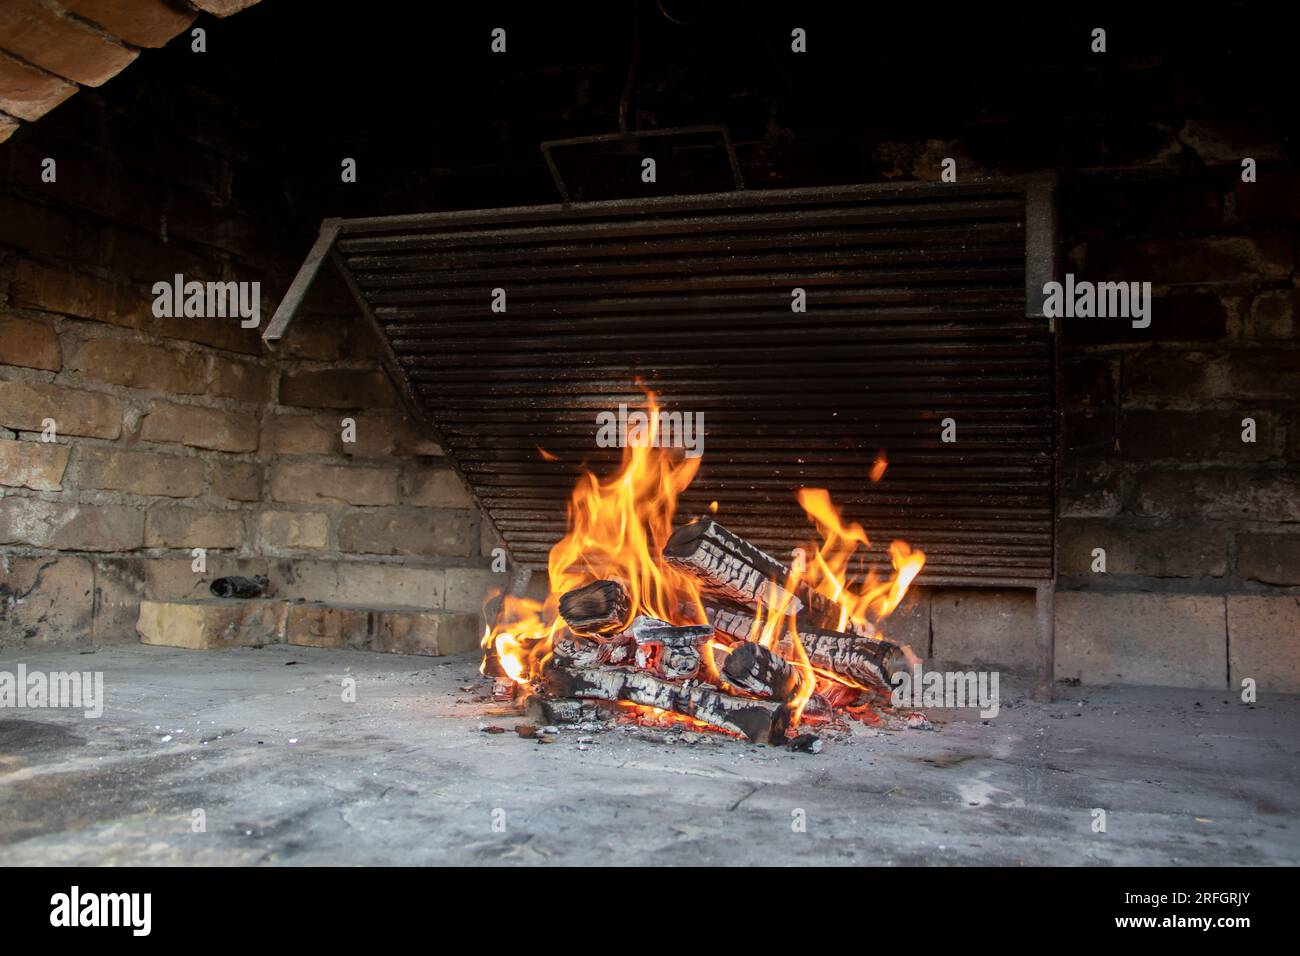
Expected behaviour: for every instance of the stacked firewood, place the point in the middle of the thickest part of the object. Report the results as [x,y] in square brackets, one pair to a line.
[712,672]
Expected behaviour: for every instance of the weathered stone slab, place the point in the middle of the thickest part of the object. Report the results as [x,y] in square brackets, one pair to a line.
[1121,637]
[392,630]
[211,625]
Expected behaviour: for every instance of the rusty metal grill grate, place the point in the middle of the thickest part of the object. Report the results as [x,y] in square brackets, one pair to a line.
[916,313]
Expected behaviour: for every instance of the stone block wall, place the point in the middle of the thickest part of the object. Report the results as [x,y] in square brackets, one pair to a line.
[1195,521]
[1200,529]
[1156,469]
[176,434]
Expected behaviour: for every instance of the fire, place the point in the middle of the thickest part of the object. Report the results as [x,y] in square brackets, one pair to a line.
[867,600]
[617,528]
[655,717]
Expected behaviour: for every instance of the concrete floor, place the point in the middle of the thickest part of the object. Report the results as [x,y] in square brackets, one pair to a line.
[287,773]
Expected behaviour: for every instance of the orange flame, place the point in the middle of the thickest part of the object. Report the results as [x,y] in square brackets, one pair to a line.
[870,599]
[617,528]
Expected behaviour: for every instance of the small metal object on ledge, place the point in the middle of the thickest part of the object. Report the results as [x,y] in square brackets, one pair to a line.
[240,587]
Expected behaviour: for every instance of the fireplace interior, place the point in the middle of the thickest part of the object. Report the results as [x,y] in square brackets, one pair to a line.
[374,560]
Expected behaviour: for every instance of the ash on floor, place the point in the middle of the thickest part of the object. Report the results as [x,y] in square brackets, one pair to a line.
[232,757]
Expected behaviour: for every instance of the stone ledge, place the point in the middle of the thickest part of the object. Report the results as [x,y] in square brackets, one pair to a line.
[390,630]
[215,623]
[1264,642]
[1125,637]
[210,625]
[988,629]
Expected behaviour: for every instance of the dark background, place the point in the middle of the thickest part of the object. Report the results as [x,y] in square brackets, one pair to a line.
[437,121]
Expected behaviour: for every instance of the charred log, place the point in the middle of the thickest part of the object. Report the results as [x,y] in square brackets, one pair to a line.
[759,720]
[817,710]
[577,650]
[667,650]
[595,608]
[729,567]
[755,669]
[646,629]
[863,660]
[544,710]
[573,649]
[740,623]
[668,662]
[619,651]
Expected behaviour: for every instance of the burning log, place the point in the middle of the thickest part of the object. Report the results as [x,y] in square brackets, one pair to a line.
[670,663]
[621,650]
[755,669]
[595,607]
[646,629]
[670,651]
[759,720]
[737,622]
[577,650]
[863,660]
[580,651]
[817,710]
[545,711]
[729,567]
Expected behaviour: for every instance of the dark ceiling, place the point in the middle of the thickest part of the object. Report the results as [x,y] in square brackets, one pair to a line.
[437,121]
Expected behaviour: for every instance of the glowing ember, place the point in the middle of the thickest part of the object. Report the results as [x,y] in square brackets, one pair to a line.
[618,527]
[656,717]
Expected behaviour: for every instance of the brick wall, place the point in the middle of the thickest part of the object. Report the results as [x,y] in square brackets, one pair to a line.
[1156,468]
[1201,530]
[183,433]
